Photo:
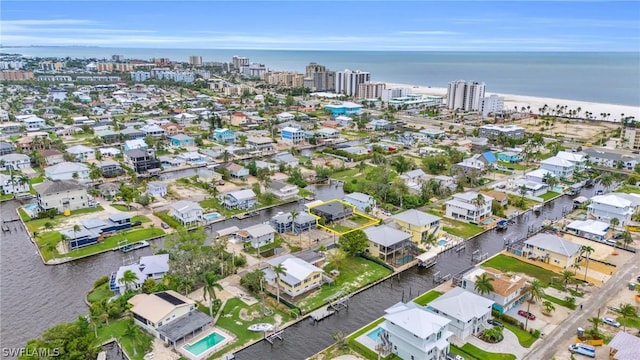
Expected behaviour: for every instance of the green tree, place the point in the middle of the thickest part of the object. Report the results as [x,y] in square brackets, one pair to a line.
[627,311]
[626,238]
[402,164]
[536,291]
[567,275]
[595,322]
[128,278]
[586,250]
[279,270]
[252,280]
[353,243]
[72,341]
[209,290]
[484,284]
[548,307]
[614,222]
[132,333]
[149,286]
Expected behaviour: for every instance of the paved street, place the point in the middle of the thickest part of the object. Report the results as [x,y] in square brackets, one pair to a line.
[545,349]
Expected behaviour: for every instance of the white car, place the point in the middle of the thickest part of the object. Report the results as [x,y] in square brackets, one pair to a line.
[610,321]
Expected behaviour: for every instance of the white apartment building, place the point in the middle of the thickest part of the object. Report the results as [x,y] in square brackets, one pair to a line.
[347,81]
[371,90]
[558,166]
[465,95]
[140,76]
[388,94]
[491,105]
[492,131]
[607,207]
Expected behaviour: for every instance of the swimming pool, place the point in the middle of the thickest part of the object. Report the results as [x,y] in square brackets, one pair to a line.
[212,216]
[30,207]
[374,334]
[442,242]
[204,344]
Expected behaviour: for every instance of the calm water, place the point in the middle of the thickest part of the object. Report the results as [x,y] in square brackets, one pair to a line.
[596,77]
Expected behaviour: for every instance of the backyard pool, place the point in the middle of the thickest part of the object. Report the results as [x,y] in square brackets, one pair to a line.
[212,216]
[442,242]
[205,344]
[374,334]
[31,209]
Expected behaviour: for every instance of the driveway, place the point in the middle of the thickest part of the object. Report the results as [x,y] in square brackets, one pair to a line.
[509,345]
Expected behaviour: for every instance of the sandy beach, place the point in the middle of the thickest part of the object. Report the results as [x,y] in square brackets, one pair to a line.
[535,103]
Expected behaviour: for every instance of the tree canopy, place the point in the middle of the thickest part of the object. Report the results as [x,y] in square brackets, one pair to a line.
[354,242]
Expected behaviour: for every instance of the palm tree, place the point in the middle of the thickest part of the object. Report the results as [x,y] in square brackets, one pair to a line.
[596,321]
[627,311]
[279,270]
[626,238]
[226,155]
[209,290]
[606,181]
[483,284]
[548,307]
[479,201]
[401,164]
[128,278]
[536,291]
[614,222]
[586,249]
[48,226]
[76,228]
[567,275]
[132,332]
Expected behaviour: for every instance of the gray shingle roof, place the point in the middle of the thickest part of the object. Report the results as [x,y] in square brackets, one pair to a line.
[554,244]
[49,187]
[386,235]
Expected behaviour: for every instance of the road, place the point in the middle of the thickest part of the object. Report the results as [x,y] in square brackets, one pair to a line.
[544,350]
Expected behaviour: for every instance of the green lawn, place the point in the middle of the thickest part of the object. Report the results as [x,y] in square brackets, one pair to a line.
[629,189]
[115,330]
[164,216]
[100,293]
[355,272]
[6,197]
[38,224]
[238,327]
[633,322]
[524,338]
[345,174]
[508,264]
[119,207]
[211,203]
[277,241]
[143,219]
[461,229]
[469,351]
[549,195]
[427,297]
[339,228]
[560,302]
[361,220]
[514,166]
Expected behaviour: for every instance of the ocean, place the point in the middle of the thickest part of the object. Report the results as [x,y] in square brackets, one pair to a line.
[610,78]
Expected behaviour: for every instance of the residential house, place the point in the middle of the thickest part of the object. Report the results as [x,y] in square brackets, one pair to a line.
[418,224]
[299,276]
[131,133]
[362,202]
[135,144]
[156,188]
[304,222]
[241,199]
[332,211]
[509,290]
[6,148]
[185,119]
[61,195]
[67,171]
[327,133]
[411,332]
[468,313]
[13,184]
[109,190]
[538,175]
[465,207]
[15,161]
[110,168]
[149,267]
[82,153]
[500,197]
[293,135]
[32,122]
[509,156]
[589,229]
[257,235]
[181,140]
[224,136]
[260,143]
[578,160]
[282,190]
[446,181]
[414,178]
[558,166]
[607,207]
[239,119]
[608,158]
[237,171]
[153,130]
[186,212]
[285,116]
[287,158]
[52,156]
[192,158]
[389,245]
[107,136]
[533,188]
[172,129]
[492,131]
[432,133]
[109,152]
[475,164]
[551,249]
[282,222]
[142,161]
[266,165]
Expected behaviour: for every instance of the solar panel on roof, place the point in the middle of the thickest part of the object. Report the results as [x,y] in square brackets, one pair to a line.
[169,298]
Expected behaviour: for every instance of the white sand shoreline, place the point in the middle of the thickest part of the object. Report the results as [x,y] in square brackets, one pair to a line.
[535,103]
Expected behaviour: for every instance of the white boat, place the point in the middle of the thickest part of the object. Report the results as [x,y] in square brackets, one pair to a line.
[261,327]
[134,246]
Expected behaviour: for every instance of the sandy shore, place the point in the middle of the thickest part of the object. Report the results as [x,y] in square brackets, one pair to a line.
[535,103]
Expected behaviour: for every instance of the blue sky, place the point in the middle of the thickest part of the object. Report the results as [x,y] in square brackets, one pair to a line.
[328,25]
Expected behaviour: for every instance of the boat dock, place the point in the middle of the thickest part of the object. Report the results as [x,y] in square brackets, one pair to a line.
[427,260]
[321,314]
[246,215]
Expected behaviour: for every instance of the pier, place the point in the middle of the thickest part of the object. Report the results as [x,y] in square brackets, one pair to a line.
[427,260]
[321,314]
[275,335]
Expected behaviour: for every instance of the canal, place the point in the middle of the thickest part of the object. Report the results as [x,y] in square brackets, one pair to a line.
[34,297]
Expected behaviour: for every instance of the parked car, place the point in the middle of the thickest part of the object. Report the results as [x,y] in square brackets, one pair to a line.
[610,321]
[164,225]
[583,349]
[526,314]
[495,323]
[638,279]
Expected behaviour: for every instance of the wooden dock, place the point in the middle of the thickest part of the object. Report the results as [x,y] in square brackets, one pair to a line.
[321,314]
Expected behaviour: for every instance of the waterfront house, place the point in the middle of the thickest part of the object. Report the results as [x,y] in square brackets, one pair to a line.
[287,158]
[6,148]
[241,199]
[465,207]
[292,134]
[181,140]
[533,188]
[224,136]
[61,195]
[13,185]
[186,212]
[149,267]
[558,166]
[67,171]
[499,196]
[607,207]
[52,156]
[411,332]
[237,171]
[82,153]
[538,175]
[260,143]
[142,161]
[589,229]
[282,222]
[299,276]
[418,224]
[467,311]
[389,245]
[282,190]
[327,133]
[332,211]
[551,249]
[609,158]
[156,188]
[266,165]
[509,156]
[110,168]
[509,290]
[578,160]
[362,202]
[15,161]
[135,144]
[257,235]
[304,222]
[109,190]
[167,315]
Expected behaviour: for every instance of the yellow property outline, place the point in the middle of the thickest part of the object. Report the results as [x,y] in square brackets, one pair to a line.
[372,221]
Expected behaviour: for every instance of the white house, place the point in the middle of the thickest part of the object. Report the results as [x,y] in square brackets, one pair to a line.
[415,333]
[186,212]
[467,311]
[67,171]
[282,190]
[465,207]
[362,202]
[299,276]
[61,195]
[13,186]
[577,159]
[259,235]
[149,267]
[607,207]
[534,188]
[414,178]
[82,153]
[589,229]
[509,290]
[32,122]
[538,175]
[285,116]
[558,166]
[15,161]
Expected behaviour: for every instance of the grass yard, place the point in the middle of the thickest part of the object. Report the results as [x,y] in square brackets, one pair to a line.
[361,220]
[164,216]
[549,195]
[461,229]
[427,297]
[119,207]
[632,322]
[339,228]
[514,200]
[629,189]
[100,293]
[508,264]
[524,338]
[211,203]
[117,329]
[355,272]
[345,174]
[38,224]
[469,351]
[143,219]
[560,302]
[514,166]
